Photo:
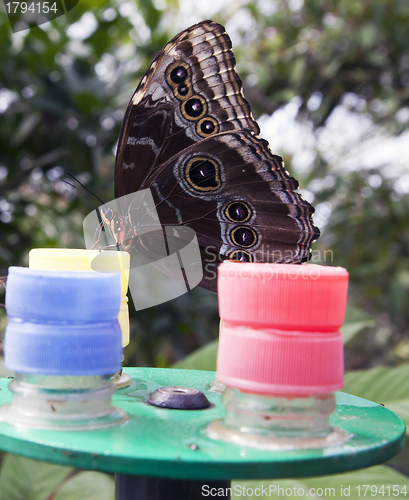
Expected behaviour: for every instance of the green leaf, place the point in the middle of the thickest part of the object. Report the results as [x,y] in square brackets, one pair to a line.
[349,330]
[379,384]
[298,70]
[367,35]
[25,479]
[401,408]
[86,102]
[331,69]
[355,321]
[89,486]
[202,359]
[350,485]
[150,13]
[382,385]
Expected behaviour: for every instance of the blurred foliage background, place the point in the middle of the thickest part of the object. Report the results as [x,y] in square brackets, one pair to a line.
[329,83]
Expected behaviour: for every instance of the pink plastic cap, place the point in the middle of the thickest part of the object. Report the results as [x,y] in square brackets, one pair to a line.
[277,362]
[280,327]
[304,297]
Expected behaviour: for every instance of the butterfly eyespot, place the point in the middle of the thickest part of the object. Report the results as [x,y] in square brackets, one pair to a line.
[194,108]
[109,214]
[203,174]
[183,90]
[244,236]
[178,74]
[238,211]
[207,126]
[241,256]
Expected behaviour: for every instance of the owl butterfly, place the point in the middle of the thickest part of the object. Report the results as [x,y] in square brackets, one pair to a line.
[188,134]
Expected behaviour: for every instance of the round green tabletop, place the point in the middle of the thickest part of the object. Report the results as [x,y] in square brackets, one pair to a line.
[174,444]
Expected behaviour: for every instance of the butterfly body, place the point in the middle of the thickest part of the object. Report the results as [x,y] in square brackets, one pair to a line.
[189,137]
[121,227]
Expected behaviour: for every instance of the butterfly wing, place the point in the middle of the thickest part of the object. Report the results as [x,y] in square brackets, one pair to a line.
[190,91]
[188,134]
[238,198]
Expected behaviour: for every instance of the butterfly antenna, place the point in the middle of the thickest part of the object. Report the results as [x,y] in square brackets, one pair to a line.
[86,190]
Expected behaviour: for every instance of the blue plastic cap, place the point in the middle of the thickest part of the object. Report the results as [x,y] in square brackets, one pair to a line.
[42,296]
[63,323]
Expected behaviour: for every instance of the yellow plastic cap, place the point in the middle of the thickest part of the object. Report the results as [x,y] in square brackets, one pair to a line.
[123,318]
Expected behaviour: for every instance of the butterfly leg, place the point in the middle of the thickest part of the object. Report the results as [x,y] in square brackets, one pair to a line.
[100,230]
[109,247]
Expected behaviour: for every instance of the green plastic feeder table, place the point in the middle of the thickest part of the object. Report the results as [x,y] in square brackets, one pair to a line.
[158,447]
